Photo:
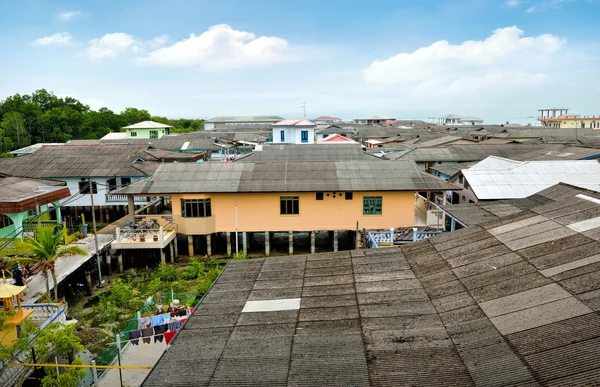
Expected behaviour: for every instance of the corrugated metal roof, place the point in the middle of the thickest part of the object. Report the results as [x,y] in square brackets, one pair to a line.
[224,119]
[513,301]
[309,152]
[295,122]
[81,161]
[287,177]
[498,178]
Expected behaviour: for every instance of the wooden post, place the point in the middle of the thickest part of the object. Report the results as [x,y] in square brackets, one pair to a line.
[191,245]
[245,242]
[108,263]
[209,245]
[120,259]
[335,240]
[228,238]
[130,209]
[312,242]
[291,242]
[267,244]
[88,283]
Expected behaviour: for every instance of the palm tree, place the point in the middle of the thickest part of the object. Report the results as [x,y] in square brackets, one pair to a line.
[46,249]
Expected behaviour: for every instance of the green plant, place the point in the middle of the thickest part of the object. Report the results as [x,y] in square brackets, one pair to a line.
[240,256]
[166,273]
[46,250]
[193,270]
[121,293]
[68,378]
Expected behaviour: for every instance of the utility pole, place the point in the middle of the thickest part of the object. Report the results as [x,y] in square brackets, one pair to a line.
[236,230]
[303,106]
[95,234]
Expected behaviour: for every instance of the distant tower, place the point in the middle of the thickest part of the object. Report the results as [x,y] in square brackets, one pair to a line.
[303,106]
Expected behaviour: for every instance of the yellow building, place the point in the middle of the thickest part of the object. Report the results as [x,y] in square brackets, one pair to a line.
[281,196]
[560,118]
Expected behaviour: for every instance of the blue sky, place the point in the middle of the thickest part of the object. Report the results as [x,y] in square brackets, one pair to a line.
[500,60]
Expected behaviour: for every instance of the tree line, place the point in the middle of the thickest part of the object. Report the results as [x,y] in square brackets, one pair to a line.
[43,117]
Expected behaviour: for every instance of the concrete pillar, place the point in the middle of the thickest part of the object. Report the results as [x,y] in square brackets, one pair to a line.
[335,240]
[120,259]
[453,224]
[228,238]
[191,245]
[17,220]
[162,256]
[108,263]
[175,246]
[357,240]
[88,283]
[57,212]
[291,242]
[267,244]
[171,253]
[244,242]
[107,211]
[101,211]
[130,209]
[312,242]
[209,245]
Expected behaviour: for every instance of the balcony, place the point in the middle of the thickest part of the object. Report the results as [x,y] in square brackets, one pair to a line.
[112,198]
[148,232]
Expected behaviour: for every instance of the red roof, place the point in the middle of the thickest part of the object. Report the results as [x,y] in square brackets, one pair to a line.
[294,122]
[327,118]
[336,139]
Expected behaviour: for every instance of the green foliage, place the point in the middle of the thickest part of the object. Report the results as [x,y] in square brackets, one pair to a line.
[57,339]
[240,256]
[193,270]
[67,378]
[166,272]
[43,117]
[121,293]
[46,249]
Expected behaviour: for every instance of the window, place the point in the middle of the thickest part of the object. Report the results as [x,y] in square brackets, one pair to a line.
[84,187]
[372,205]
[304,135]
[195,208]
[348,195]
[289,205]
[133,134]
[282,136]
[154,134]
[5,221]
[463,198]
[319,196]
[125,181]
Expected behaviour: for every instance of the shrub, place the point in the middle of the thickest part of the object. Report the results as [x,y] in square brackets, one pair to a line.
[240,256]
[121,293]
[166,273]
[193,270]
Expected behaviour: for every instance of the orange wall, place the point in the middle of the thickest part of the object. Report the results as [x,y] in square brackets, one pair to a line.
[260,212]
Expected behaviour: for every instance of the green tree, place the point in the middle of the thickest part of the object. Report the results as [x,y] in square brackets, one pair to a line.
[46,249]
[13,126]
[133,116]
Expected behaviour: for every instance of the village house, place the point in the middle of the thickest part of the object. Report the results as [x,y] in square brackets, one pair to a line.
[294,131]
[234,121]
[286,197]
[99,168]
[326,120]
[510,301]
[496,178]
[22,198]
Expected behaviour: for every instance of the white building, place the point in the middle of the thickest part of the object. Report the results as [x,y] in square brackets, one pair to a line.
[455,119]
[240,120]
[294,131]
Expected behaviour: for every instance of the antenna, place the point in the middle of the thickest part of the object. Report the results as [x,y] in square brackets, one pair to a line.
[303,106]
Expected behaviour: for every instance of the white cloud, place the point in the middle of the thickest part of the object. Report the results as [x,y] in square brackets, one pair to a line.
[57,39]
[221,47]
[530,9]
[513,3]
[111,45]
[503,60]
[68,15]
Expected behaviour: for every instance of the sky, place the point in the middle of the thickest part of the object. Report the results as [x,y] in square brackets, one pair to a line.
[500,60]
